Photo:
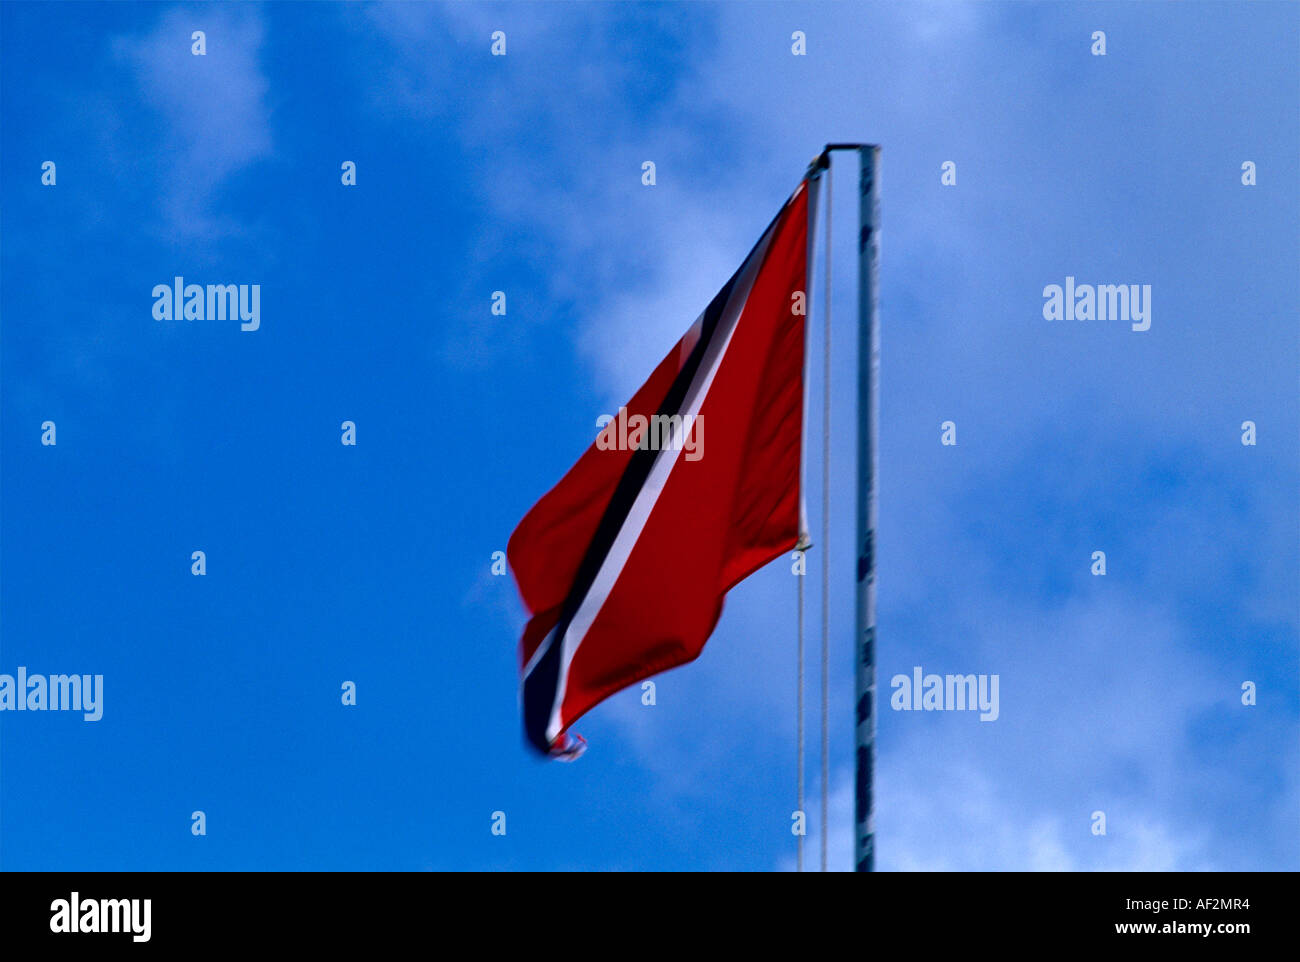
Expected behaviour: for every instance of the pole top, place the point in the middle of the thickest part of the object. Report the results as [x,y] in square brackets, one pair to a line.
[823,160]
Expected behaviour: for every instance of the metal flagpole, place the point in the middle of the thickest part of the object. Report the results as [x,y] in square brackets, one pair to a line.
[868,423]
[826,534]
[864,657]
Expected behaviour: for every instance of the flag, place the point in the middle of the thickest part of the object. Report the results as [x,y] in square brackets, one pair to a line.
[691,487]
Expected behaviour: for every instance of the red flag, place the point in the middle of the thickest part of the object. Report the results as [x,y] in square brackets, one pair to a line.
[624,564]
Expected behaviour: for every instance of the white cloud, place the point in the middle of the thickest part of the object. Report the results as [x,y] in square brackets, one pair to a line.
[962,821]
[1099,689]
[214,118]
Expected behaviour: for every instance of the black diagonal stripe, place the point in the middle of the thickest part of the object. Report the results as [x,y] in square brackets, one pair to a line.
[541,684]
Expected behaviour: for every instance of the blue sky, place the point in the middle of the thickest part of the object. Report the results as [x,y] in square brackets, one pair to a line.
[372,563]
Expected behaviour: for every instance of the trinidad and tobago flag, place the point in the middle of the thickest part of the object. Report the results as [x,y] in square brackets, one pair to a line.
[624,564]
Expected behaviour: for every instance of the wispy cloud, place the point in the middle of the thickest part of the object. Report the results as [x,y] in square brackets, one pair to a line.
[213,119]
[1102,689]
